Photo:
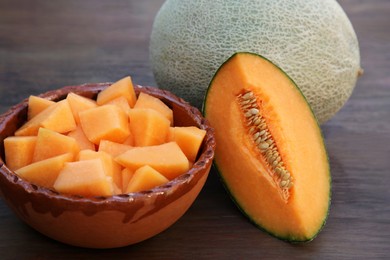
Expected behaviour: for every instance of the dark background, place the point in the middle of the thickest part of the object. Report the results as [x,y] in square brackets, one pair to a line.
[49,44]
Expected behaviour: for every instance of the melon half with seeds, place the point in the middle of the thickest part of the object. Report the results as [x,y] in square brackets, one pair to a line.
[311,40]
[270,154]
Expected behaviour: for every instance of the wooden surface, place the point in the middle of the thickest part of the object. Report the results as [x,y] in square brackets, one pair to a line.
[48,44]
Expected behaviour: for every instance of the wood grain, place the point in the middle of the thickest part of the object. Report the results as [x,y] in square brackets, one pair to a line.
[48,44]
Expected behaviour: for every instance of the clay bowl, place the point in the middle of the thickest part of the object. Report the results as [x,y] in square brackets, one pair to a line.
[105,222]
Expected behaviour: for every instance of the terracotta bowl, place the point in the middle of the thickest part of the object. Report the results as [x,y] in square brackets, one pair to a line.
[105,222]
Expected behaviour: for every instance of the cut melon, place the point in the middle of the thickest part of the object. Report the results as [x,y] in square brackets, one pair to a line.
[120,102]
[19,151]
[148,127]
[127,174]
[121,88]
[168,159]
[44,173]
[86,178]
[145,178]
[81,139]
[112,148]
[50,144]
[57,117]
[36,105]
[189,139]
[106,122]
[79,103]
[147,101]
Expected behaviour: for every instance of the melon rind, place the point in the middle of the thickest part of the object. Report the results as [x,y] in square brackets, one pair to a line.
[313,41]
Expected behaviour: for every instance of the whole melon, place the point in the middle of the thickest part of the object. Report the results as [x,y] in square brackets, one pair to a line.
[313,41]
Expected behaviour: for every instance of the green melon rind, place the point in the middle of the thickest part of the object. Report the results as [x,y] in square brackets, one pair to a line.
[290,239]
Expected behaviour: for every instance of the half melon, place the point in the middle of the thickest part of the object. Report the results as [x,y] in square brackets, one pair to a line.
[270,154]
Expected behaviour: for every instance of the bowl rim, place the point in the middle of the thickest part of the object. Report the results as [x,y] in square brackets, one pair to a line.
[204,160]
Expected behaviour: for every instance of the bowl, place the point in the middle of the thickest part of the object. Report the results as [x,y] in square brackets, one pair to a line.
[105,222]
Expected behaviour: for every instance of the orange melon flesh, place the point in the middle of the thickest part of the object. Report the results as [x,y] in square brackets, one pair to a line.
[120,102]
[296,134]
[148,127]
[121,88]
[81,139]
[79,103]
[127,174]
[168,159]
[105,122]
[111,168]
[147,101]
[85,178]
[37,105]
[189,139]
[112,148]
[19,151]
[145,178]
[57,117]
[44,173]
[50,144]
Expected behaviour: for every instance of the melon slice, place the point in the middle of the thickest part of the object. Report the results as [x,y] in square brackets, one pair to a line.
[105,122]
[50,144]
[145,178]
[81,139]
[36,105]
[189,139]
[148,127]
[120,102]
[19,151]
[86,178]
[111,168]
[57,117]
[112,148]
[147,101]
[79,103]
[121,88]
[168,159]
[44,173]
[127,174]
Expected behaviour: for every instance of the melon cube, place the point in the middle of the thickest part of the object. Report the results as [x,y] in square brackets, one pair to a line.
[50,144]
[79,103]
[120,102]
[168,159]
[81,139]
[127,174]
[189,139]
[44,173]
[121,88]
[147,101]
[112,148]
[86,178]
[36,105]
[57,117]
[19,151]
[111,167]
[145,178]
[105,122]
[148,127]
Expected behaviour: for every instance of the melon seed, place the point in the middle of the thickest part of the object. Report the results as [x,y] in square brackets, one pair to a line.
[248,95]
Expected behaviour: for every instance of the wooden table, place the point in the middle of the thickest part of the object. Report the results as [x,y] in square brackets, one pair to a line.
[48,44]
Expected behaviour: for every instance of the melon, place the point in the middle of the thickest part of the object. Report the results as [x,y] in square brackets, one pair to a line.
[313,41]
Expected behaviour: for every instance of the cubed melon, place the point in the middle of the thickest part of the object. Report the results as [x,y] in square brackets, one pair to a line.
[57,117]
[189,139]
[147,101]
[121,88]
[111,167]
[145,178]
[127,174]
[120,102]
[129,140]
[168,159]
[81,139]
[105,122]
[36,105]
[19,151]
[148,127]
[50,144]
[79,103]
[86,178]
[112,148]
[44,173]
